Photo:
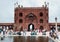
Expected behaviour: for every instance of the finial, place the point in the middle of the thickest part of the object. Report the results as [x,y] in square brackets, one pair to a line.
[42,5]
[21,6]
[16,4]
[45,4]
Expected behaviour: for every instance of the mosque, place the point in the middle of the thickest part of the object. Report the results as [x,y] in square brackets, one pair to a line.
[30,18]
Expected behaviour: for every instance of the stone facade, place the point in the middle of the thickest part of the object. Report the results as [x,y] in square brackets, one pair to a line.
[37,16]
[30,17]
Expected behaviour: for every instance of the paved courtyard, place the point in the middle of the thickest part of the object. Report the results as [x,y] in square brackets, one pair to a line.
[7,39]
[11,39]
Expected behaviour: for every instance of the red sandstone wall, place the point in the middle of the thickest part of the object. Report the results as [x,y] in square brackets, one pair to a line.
[35,11]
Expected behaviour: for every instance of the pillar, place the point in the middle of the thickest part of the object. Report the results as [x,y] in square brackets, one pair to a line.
[56,24]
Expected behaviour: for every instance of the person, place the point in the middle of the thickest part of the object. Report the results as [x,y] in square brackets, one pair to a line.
[4,31]
[1,30]
[51,33]
[55,35]
[24,31]
[44,32]
[19,33]
[2,37]
[11,32]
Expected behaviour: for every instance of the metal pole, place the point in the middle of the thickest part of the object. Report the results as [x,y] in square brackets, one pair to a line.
[56,24]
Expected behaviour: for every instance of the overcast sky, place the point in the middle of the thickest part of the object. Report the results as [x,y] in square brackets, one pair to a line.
[7,9]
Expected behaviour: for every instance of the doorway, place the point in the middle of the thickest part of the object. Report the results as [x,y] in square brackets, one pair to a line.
[30,27]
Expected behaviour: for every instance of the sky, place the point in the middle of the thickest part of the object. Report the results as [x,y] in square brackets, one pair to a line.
[7,9]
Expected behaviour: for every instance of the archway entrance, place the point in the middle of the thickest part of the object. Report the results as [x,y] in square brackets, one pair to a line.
[30,27]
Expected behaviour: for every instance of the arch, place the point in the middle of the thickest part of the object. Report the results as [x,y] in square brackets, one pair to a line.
[41,28]
[41,20]
[41,14]
[20,14]
[20,21]
[30,27]
[31,17]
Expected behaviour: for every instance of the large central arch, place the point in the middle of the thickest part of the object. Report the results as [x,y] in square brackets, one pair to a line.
[30,19]
[30,27]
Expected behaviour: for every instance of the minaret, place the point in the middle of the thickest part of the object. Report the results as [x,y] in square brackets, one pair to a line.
[15,4]
[46,4]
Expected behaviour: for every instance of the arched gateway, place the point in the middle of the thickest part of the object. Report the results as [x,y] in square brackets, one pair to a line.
[30,27]
[30,19]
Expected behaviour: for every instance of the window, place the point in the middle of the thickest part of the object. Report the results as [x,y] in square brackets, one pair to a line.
[41,27]
[41,20]
[20,20]
[20,14]
[41,14]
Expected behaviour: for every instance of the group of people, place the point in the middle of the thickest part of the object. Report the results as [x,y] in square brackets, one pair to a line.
[35,31]
[53,33]
[5,31]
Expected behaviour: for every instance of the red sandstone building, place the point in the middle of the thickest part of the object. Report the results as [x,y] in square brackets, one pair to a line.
[38,17]
[35,16]
[31,17]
